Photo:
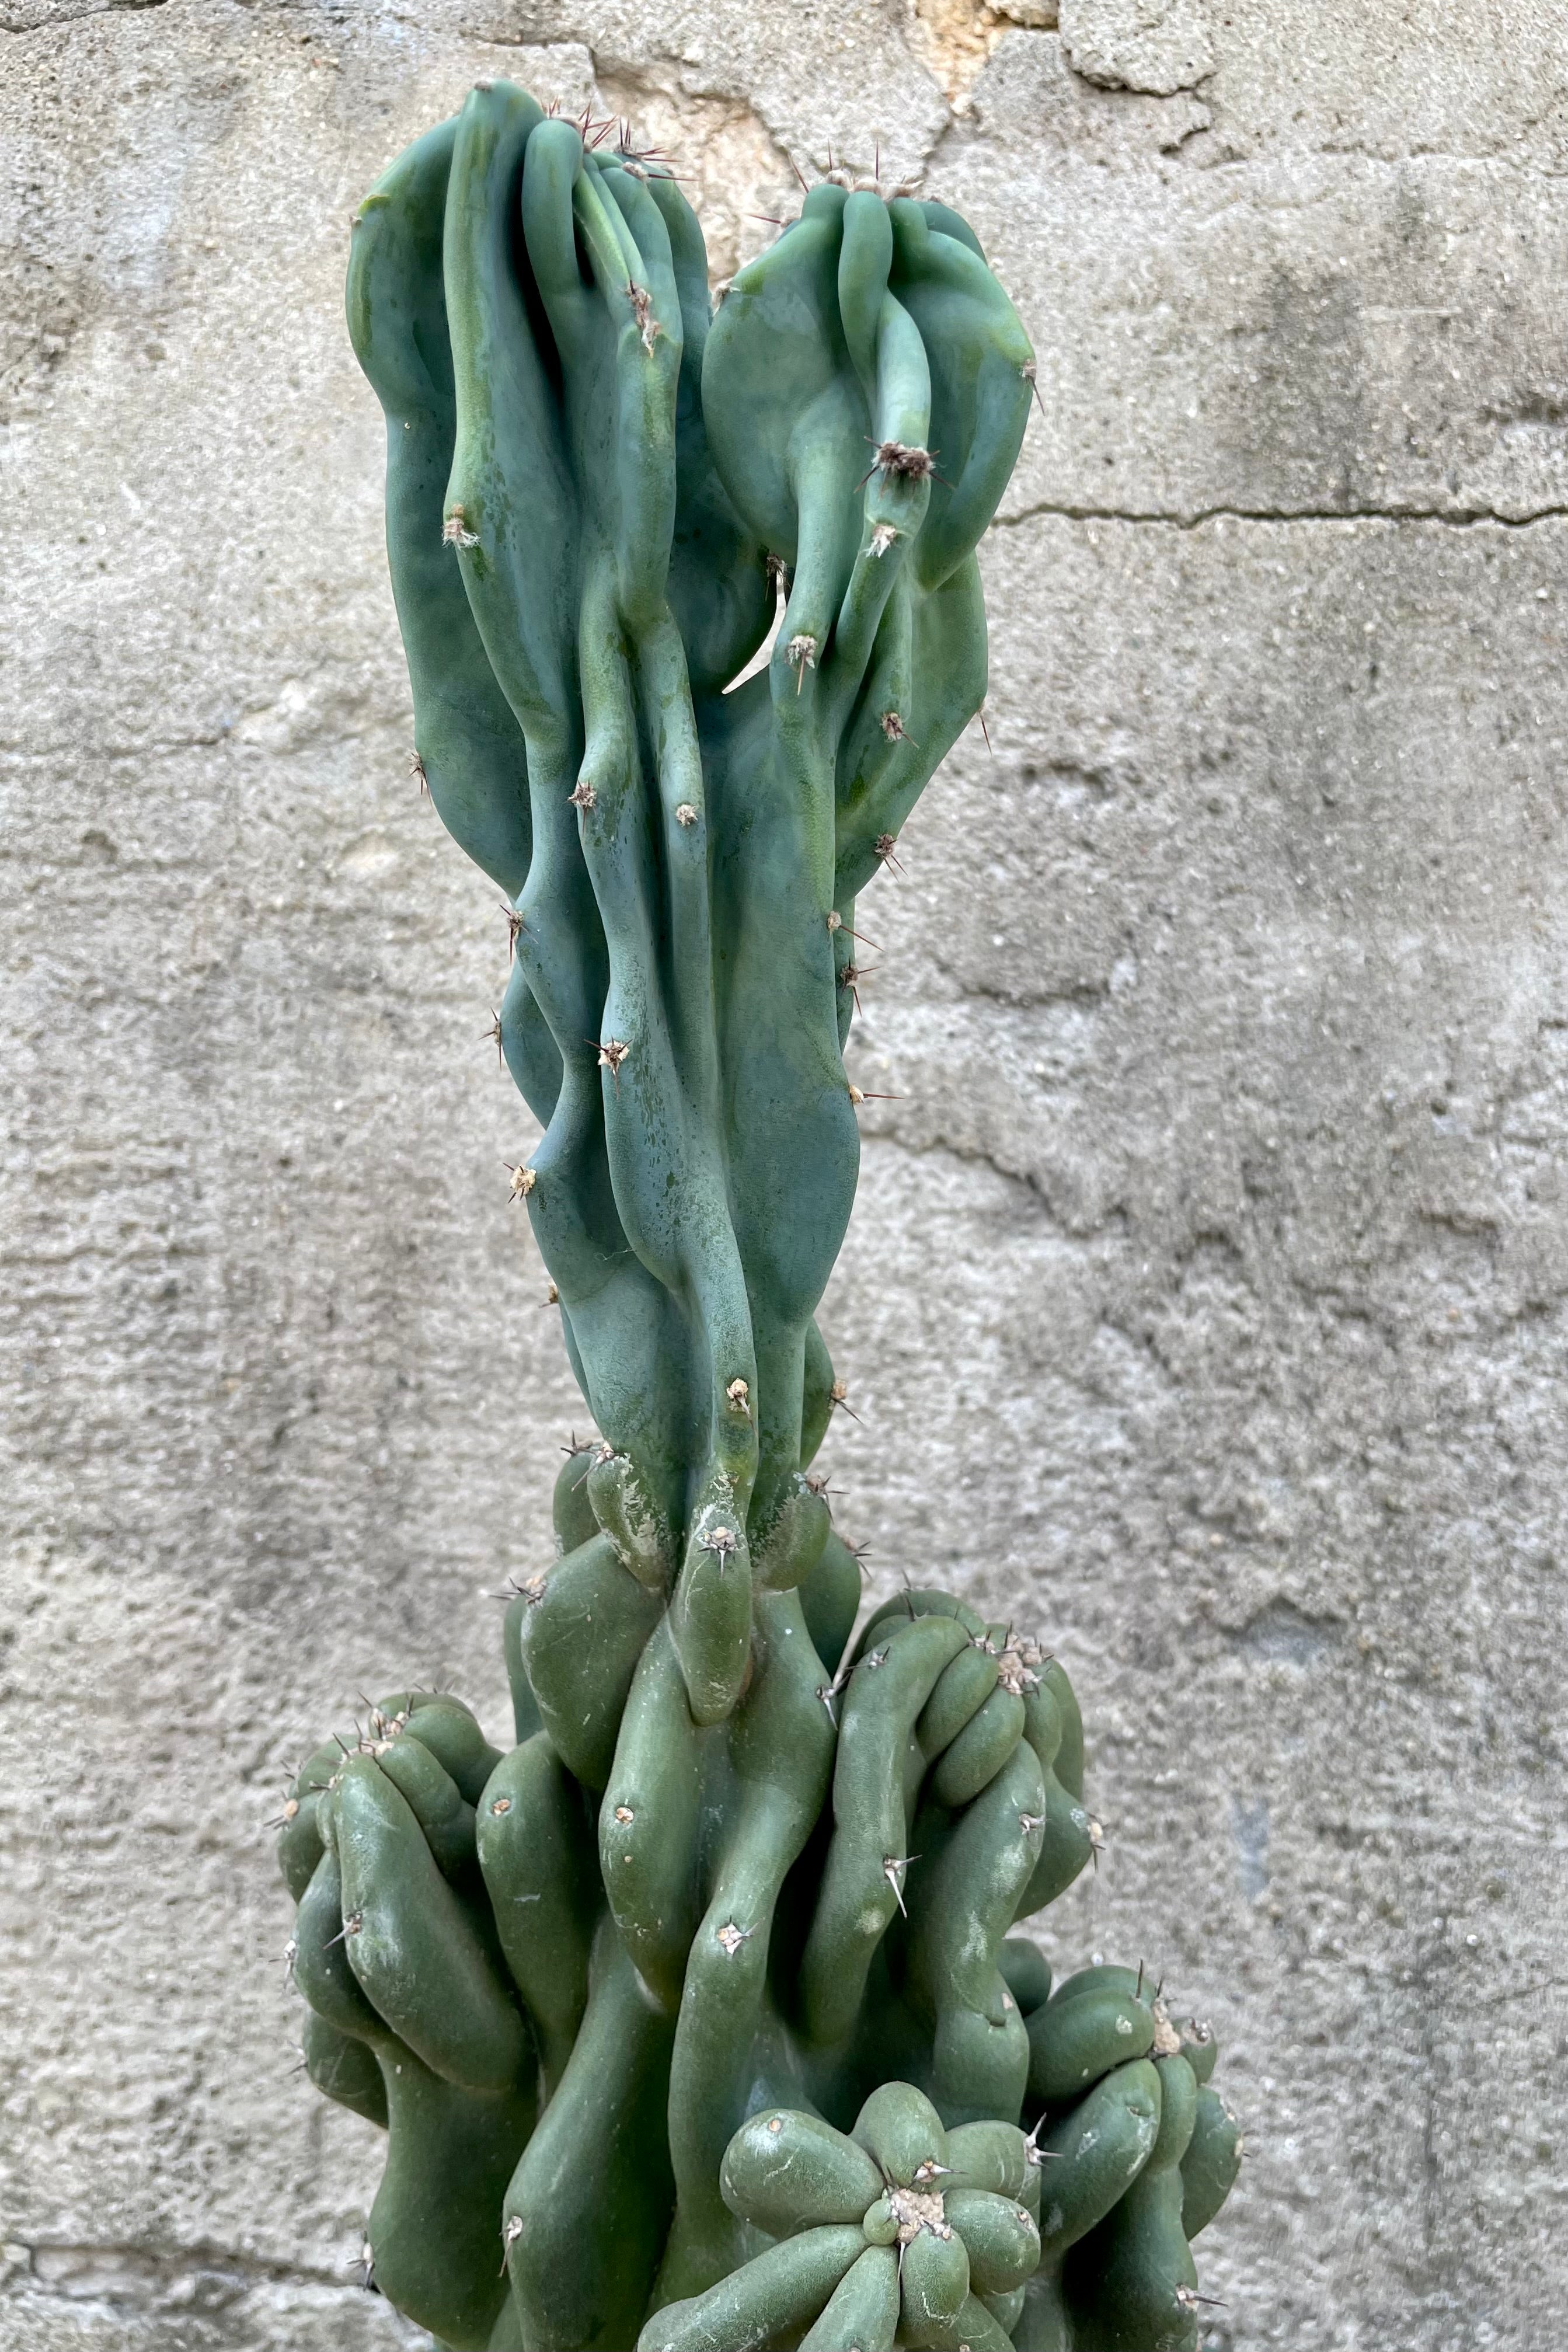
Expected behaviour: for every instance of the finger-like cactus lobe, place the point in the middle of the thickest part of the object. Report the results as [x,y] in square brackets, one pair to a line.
[595,490]
[696,2018]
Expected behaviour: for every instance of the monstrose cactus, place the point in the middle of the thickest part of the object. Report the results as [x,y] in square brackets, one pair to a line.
[694,2021]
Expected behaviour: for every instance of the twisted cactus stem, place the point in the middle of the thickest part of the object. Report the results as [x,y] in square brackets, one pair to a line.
[594,491]
[735,1866]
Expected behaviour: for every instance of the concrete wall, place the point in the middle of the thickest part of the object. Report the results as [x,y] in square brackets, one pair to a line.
[1205,1302]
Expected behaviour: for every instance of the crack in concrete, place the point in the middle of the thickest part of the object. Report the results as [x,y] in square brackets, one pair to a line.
[976,1155]
[123,2272]
[19,22]
[1176,519]
[1153,48]
[149,2261]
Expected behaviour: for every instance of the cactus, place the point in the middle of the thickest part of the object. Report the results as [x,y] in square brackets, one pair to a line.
[743,1883]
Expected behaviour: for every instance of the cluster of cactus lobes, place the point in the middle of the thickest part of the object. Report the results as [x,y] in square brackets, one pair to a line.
[695,2021]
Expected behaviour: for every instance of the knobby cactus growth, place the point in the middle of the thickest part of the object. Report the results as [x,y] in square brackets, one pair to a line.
[694,2021]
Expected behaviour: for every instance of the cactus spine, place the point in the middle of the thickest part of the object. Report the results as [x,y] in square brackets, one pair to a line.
[739,1887]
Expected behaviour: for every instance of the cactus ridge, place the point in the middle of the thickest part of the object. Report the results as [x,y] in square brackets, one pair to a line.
[695,2019]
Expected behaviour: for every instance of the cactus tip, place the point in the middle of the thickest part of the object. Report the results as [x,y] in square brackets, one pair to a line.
[801,655]
[915,2210]
[897,461]
[1167,2040]
[893,1868]
[1017,1662]
[648,327]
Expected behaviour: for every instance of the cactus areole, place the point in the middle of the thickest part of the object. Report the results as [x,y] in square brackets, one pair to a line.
[694,2022]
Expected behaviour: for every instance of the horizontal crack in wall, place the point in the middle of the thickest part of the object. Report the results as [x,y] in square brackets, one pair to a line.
[39,16]
[135,2275]
[1176,519]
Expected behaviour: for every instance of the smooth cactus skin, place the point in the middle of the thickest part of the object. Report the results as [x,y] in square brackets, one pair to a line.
[695,2020]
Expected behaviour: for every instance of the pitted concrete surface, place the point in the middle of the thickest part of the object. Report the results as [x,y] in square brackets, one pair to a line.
[1204,1302]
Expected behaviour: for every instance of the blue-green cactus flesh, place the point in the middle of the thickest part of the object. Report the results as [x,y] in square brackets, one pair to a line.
[696,2020]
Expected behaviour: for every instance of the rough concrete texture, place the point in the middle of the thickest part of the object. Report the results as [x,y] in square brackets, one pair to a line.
[1205,1304]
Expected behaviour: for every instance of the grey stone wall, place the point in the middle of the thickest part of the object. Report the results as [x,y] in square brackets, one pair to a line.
[1205,1302]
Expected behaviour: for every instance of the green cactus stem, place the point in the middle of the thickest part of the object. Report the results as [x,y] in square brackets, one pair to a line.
[696,2018]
